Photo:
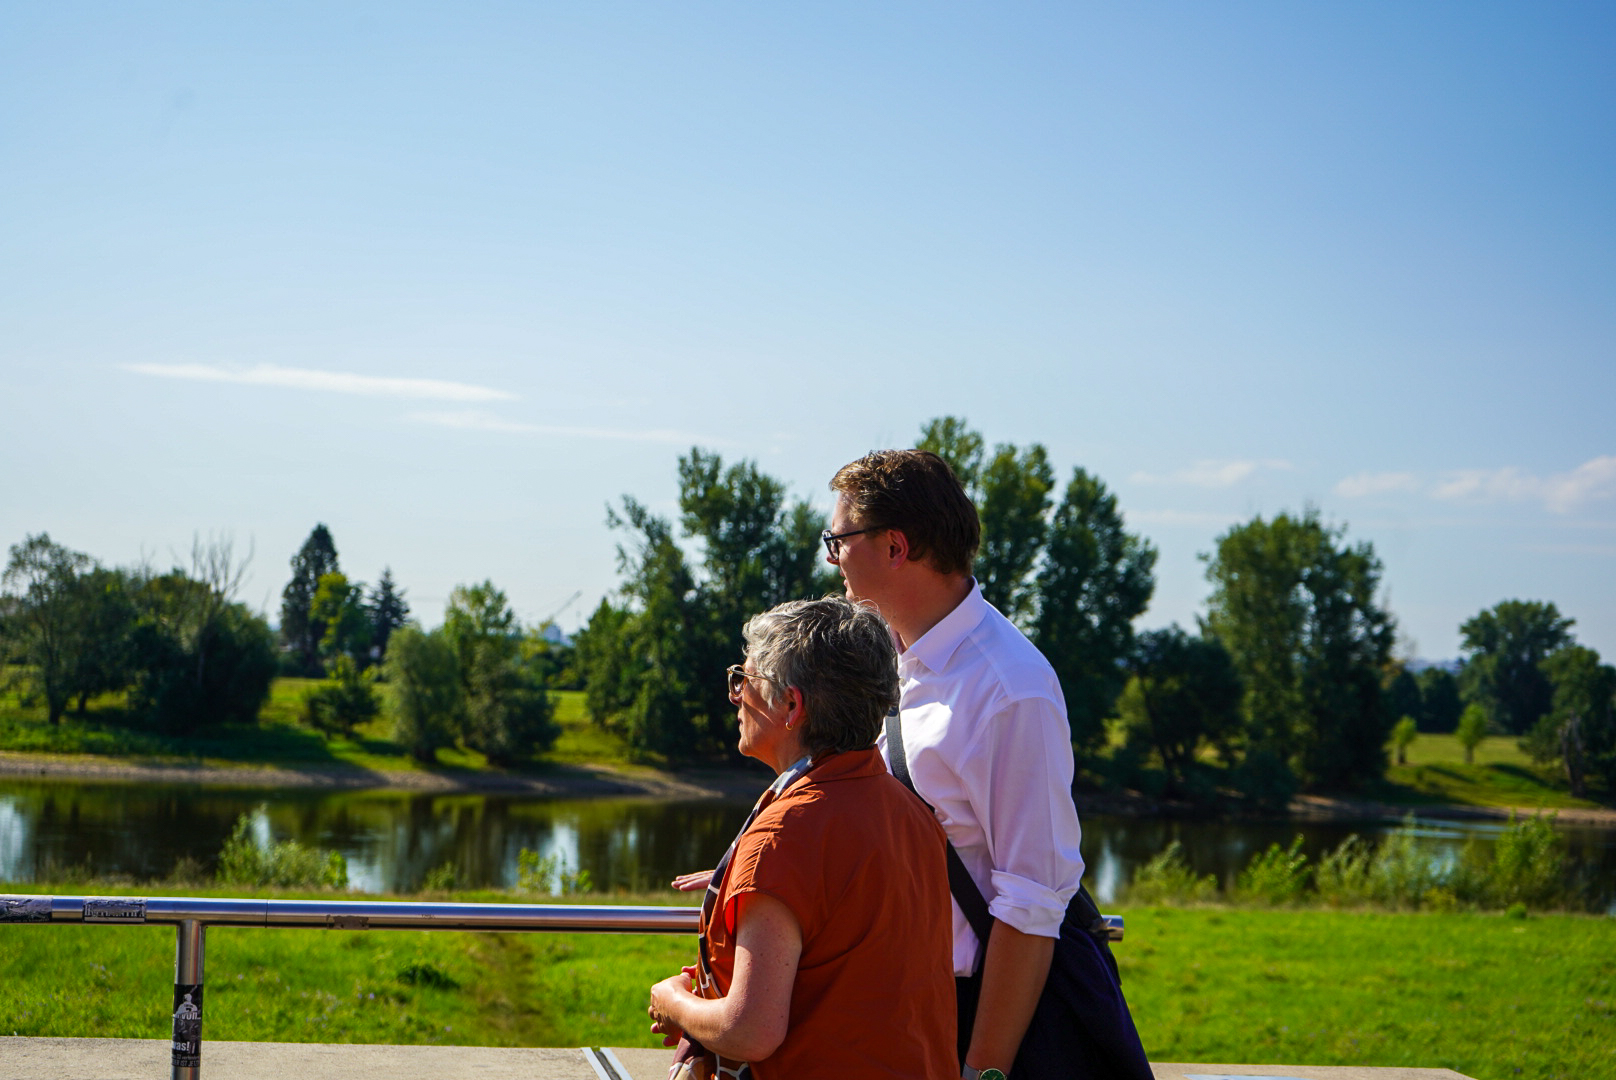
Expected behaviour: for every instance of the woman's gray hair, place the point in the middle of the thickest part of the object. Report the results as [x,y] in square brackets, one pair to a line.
[840,656]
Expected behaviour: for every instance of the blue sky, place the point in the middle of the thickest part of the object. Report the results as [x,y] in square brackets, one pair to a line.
[450,278]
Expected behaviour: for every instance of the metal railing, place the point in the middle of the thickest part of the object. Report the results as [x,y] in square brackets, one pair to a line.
[192,915]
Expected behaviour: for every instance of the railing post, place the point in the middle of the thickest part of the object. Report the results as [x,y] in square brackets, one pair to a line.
[188,1001]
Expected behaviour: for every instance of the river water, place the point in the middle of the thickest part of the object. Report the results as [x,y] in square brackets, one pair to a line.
[392,840]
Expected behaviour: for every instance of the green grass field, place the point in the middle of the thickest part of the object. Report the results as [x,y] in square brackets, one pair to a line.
[279,738]
[1502,775]
[1491,997]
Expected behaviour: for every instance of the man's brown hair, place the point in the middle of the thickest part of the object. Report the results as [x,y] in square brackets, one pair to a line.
[915,492]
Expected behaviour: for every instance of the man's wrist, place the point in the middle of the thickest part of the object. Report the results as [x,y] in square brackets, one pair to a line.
[968,1073]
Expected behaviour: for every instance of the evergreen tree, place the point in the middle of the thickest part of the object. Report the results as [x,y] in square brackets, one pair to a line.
[387,610]
[300,631]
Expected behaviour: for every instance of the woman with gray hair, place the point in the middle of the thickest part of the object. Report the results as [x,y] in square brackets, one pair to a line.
[825,937]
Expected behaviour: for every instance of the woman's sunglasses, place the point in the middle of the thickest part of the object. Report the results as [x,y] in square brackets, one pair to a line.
[737,679]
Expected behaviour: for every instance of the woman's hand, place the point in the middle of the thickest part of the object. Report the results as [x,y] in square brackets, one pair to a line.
[663,997]
[693,882]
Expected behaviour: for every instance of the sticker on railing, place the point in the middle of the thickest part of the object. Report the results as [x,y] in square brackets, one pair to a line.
[187,1025]
[115,910]
[25,909]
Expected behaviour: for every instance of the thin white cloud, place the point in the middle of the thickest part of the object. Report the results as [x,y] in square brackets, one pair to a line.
[1561,492]
[1211,473]
[472,420]
[335,382]
[480,420]
[1182,517]
[1363,484]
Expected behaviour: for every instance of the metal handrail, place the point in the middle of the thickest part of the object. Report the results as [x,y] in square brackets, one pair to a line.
[192,915]
[349,914]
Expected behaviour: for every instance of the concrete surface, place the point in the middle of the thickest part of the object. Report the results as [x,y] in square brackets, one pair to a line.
[148,1059]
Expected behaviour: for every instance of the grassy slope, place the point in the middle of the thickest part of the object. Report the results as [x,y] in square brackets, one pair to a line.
[1484,995]
[1502,775]
[278,738]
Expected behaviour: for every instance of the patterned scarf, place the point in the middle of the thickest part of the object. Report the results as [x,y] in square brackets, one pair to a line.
[689,1049]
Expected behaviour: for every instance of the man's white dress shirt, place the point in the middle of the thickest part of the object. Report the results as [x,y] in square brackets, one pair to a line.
[988,745]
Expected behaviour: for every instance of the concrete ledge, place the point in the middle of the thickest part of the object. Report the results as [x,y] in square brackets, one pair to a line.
[24,1058]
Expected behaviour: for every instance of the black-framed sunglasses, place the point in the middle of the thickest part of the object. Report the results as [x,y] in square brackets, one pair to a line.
[737,679]
[833,541]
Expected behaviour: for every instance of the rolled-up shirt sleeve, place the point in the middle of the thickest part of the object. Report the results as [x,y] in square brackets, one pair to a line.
[1018,779]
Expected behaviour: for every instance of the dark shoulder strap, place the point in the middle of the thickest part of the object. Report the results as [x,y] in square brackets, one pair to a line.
[960,883]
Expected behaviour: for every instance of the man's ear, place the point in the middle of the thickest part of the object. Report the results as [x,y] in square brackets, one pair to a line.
[897,547]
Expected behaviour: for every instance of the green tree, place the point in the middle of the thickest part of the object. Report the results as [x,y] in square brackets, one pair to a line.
[1184,694]
[508,714]
[339,607]
[664,638]
[1404,732]
[1015,499]
[1580,727]
[103,653]
[299,630]
[1506,644]
[1296,608]
[45,623]
[1096,578]
[951,438]
[604,658]
[428,700]
[1472,730]
[758,550]
[387,611]
[1439,701]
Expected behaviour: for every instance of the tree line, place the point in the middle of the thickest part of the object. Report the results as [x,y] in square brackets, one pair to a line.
[188,656]
[1289,680]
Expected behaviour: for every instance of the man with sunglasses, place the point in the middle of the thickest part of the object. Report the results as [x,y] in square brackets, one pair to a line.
[987,745]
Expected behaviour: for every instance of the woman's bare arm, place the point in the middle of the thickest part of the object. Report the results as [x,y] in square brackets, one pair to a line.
[750,1022]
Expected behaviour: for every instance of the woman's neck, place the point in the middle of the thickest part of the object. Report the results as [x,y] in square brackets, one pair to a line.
[788,753]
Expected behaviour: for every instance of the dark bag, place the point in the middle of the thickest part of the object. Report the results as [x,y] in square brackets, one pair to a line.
[1081,1026]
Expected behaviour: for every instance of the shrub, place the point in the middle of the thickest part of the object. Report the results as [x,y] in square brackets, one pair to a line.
[1168,879]
[1404,870]
[342,703]
[445,878]
[1342,877]
[1277,876]
[1528,863]
[548,875]
[287,864]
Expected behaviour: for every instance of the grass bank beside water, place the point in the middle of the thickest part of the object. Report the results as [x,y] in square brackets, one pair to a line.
[1489,996]
[279,738]
[1436,774]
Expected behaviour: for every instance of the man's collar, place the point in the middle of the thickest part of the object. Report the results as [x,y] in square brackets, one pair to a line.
[936,646]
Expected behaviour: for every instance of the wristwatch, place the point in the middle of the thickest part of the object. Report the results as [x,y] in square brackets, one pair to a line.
[968,1073]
